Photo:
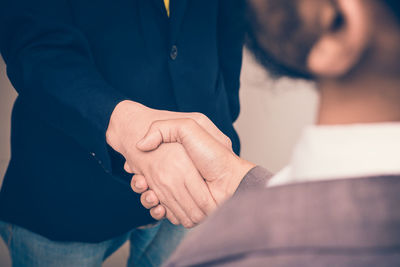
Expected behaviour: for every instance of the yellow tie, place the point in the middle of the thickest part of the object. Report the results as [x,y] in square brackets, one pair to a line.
[166,2]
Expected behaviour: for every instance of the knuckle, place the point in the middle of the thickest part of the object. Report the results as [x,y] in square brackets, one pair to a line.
[200,117]
[189,125]
[203,203]
[188,122]
[155,124]
[158,194]
[161,198]
[197,115]
[228,142]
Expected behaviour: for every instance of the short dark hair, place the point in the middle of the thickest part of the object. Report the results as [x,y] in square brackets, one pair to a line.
[269,61]
[273,65]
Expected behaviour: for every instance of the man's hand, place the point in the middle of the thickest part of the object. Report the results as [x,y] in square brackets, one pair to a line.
[177,184]
[168,170]
[219,166]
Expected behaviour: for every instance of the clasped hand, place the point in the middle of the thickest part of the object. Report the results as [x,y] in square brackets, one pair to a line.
[220,168]
[180,175]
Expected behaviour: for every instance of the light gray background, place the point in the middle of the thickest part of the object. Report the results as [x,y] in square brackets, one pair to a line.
[272,116]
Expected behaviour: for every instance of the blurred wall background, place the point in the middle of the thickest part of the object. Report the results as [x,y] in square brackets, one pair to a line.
[273,112]
[272,116]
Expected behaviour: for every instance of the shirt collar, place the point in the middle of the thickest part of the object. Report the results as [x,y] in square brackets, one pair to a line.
[345,151]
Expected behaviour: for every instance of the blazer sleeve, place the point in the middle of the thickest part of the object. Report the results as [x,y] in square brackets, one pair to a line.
[230,48]
[49,62]
[222,234]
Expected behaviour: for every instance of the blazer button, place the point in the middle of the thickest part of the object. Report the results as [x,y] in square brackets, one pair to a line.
[174,52]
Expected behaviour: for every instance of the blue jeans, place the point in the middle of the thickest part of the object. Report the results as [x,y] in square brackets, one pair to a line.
[150,246]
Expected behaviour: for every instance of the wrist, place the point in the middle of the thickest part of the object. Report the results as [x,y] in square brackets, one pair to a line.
[239,171]
[119,129]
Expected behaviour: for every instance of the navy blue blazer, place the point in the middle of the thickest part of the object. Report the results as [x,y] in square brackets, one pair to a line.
[71,62]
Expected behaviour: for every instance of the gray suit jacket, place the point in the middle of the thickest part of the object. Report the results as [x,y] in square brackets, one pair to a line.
[353,222]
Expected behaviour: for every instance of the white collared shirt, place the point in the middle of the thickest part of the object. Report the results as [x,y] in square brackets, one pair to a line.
[342,152]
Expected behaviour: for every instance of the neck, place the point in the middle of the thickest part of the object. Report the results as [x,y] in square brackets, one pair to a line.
[368,100]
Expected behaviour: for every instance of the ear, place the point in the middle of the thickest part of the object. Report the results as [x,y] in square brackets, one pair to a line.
[343,40]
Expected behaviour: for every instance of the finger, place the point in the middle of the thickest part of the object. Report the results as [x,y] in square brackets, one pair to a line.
[169,131]
[180,204]
[159,213]
[184,131]
[152,140]
[171,216]
[127,168]
[149,199]
[201,147]
[168,199]
[194,215]
[139,183]
[200,193]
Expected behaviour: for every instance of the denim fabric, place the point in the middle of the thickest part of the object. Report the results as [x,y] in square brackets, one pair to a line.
[149,247]
[152,247]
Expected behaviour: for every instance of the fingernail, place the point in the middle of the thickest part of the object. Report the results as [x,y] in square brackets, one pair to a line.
[149,199]
[157,211]
[138,184]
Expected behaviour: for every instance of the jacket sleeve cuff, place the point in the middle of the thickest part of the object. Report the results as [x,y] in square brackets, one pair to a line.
[256,178]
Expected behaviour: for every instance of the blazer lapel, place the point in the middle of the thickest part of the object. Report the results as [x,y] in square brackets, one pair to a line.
[155,27]
[177,13]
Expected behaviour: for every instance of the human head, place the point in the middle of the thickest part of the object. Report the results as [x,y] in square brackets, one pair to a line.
[325,38]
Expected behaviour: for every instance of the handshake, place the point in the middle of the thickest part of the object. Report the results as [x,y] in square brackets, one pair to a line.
[183,165]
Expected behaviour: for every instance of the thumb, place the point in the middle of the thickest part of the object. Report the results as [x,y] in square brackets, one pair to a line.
[167,131]
[152,140]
